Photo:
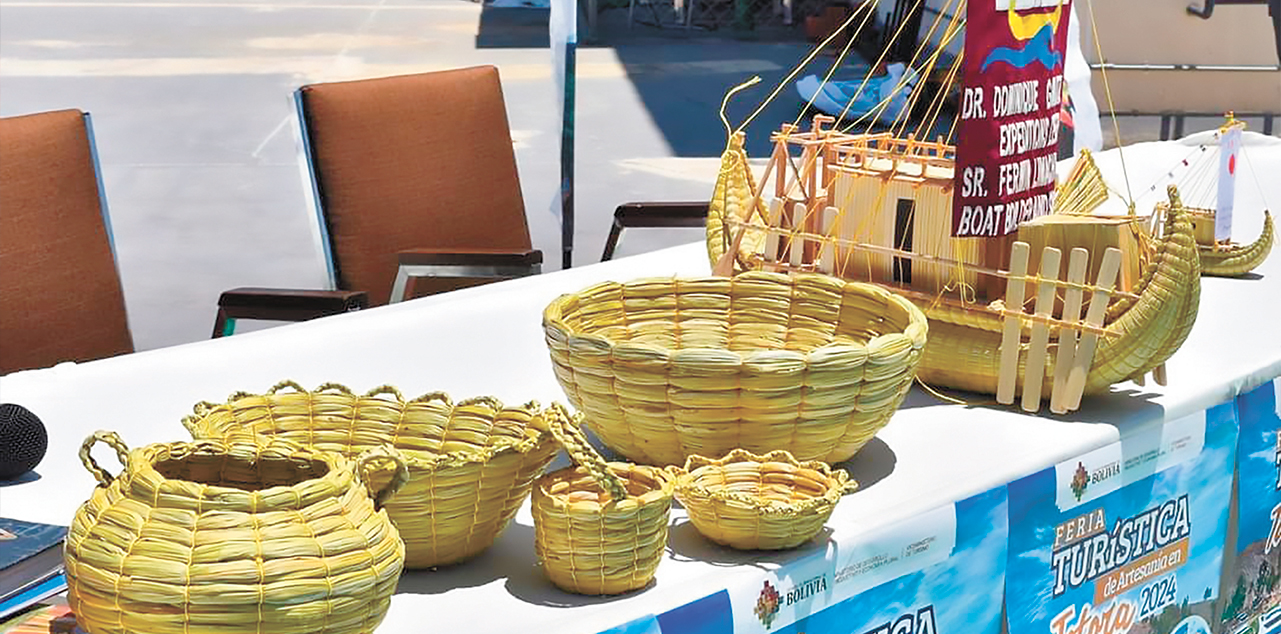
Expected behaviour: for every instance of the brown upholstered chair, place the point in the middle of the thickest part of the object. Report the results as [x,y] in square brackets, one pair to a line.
[414,177]
[60,295]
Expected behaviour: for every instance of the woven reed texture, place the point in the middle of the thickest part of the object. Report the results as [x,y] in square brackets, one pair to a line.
[1153,327]
[1238,260]
[471,464]
[1084,188]
[1148,330]
[753,502]
[668,368]
[732,201]
[592,541]
[211,538]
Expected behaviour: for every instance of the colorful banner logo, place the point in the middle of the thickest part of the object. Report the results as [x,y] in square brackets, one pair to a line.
[1006,161]
[1252,575]
[1127,538]
[767,604]
[939,572]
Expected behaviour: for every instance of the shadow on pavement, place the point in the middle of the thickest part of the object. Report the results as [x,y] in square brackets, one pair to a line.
[682,75]
[512,27]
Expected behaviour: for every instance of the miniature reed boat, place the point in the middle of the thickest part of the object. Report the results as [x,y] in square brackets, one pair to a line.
[1221,258]
[1235,260]
[877,206]
[869,207]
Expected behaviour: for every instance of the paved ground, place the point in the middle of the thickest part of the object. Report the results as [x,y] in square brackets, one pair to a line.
[194,123]
[191,110]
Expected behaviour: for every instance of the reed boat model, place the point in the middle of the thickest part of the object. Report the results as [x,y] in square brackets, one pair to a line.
[875,208]
[1220,258]
[1223,257]
[1233,260]
[1054,301]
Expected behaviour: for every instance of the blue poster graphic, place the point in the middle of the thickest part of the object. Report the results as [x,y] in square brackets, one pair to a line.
[1127,538]
[1250,585]
[961,595]
[941,572]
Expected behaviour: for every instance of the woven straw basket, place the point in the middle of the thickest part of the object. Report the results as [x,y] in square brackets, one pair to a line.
[668,368]
[753,502]
[599,528]
[471,464]
[211,537]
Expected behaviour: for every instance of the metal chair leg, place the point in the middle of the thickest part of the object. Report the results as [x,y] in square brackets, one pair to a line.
[612,241]
[398,288]
[224,326]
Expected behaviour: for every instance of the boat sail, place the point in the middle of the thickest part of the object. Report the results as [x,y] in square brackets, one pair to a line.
[869,205]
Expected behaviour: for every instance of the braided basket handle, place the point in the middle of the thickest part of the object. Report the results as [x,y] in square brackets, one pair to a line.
[285,384]
[191,422]
[489,402]
[850,485]
[112,440]
[566,431]
[337,388]
[385,453]
[388,390]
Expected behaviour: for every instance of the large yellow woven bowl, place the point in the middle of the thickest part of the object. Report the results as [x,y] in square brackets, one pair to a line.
[752,502]
[211,537]
[471,464]
[599,528]
[664,369]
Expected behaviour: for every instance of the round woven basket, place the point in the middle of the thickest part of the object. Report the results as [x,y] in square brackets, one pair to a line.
[599,528]
[664,369]
[210,537]
[471,464]
[754,502]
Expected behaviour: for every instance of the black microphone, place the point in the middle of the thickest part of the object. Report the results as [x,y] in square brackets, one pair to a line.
[23,441]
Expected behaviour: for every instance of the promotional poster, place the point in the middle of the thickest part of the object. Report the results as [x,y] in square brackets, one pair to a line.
[939,573]
[1010,108]
[1250,578]
[1126,539]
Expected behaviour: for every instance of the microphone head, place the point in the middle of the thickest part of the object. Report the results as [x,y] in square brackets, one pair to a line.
[23,441]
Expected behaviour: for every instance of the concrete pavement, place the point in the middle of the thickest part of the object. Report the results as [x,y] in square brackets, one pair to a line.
[194,123]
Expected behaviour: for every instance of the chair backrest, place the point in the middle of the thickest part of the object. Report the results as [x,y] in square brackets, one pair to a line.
[60,295]
[415,161]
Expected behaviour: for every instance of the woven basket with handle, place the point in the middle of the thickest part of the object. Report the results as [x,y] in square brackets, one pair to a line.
[664,369]
[211,537]
[599,528]
[471,463]
[754,502]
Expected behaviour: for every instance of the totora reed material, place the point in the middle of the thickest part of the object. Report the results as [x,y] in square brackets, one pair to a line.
[599,528]
[212,537]
[1237,260]
[471,464]
[754,502]
[664,369]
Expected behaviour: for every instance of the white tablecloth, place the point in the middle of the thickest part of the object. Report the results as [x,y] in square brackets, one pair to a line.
[488,340]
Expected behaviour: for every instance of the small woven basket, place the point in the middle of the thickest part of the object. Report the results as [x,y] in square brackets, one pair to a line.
[664,369]
[212,537]
[471,464]
[753,502]
[599,528]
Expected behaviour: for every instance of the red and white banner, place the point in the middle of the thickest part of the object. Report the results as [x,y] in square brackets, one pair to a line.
[1007,140]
